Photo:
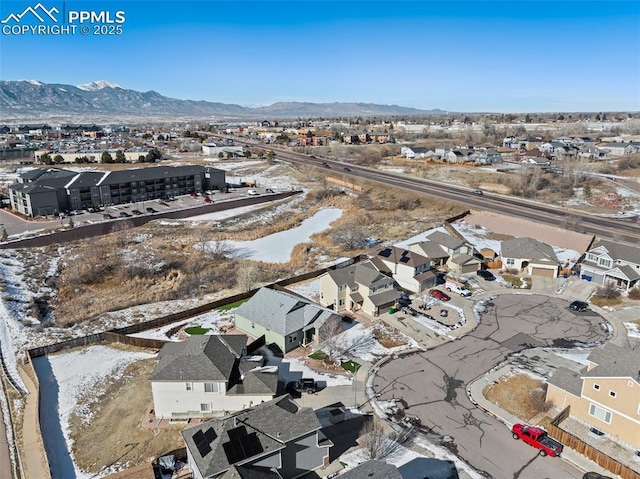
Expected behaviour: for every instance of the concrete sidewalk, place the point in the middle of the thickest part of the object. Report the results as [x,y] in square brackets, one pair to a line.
[36,464]
[475,394]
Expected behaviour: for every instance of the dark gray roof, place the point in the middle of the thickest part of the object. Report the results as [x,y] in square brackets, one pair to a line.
[46,174]
[364,273]
[85,179]
[373,470]
[463,259]
[256,379]
[621,251]
[616,361]
[200,358]
[401,256]
[430,249]
[250,472]
[567,380]
[151,173]
[32,188]
[446,240]
[528,248]
[271,426]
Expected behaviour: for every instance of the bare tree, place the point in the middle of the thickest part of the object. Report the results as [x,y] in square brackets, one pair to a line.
[216,247]
[247,276]
[608,291]
[350,236]
[377,444]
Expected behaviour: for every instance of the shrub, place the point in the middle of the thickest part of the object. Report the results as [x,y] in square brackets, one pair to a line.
[608,291]
[538,399]
[634,293]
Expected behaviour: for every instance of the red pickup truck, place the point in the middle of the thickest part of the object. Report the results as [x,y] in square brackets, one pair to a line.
[537,437]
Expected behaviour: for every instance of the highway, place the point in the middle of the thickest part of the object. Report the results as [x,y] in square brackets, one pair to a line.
[624,230]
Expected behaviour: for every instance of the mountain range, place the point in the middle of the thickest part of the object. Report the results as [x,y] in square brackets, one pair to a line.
[31,98]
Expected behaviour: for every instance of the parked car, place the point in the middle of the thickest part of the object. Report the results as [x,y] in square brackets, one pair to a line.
[150,209]
[478,192]
[207,199]
[579,306]
[136,212]
[537,437]
[124,214]
[486,275]
[347,169]
[307,385]
[457,287]
[594,475]
[252,193]
[436,293]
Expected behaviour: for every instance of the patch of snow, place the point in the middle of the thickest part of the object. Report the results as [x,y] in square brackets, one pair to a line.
[576,357]
[633,330]
[75,375]
[212,320]
[359,341]
[276,248]
[309,289]
[35,82]
[476,236]
[418,238]
[6,418]
[99,85]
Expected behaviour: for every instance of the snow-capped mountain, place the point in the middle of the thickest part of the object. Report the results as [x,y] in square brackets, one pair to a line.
[31,99]
[99,85]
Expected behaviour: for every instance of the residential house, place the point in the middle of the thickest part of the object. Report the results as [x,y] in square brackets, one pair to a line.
[417,152]
[373,469]
[511,142]
[282,318]
[277,439]
[357,287]
[540,161]
[486,157]
[437,255]
[612,262]
[605,395]
[210,375]
[410,270]
[529,256]
[530,142]
[459,156]
[461,258]
[619,148]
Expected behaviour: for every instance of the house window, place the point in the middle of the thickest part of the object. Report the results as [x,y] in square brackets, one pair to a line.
[511,261]
[253,325]
[600,413]
[341,287]
[612,394]
[205,407]
[596,387]
[321,295]
[341,302]
[189,386]
[211,388]
[292,338]
[604,262]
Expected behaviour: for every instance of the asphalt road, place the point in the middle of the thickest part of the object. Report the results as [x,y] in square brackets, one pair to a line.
[626,230]
[431,385]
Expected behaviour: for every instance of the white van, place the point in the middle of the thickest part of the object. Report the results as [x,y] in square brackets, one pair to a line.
[252,193]
[456,287]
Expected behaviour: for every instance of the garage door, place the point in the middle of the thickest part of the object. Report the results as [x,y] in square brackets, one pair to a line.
[542,272]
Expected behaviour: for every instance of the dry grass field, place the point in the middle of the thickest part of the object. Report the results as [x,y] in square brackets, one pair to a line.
[519,395]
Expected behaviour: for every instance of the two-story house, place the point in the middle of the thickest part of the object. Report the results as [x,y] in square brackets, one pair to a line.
[605,395]
[529,256]
[611,262]
[210,375]
[461,258]
[357,287]
[277,439]
[409,269]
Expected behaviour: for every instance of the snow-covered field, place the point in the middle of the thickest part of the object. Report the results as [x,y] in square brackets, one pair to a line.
[276,248]
[212,320]
[64,379]
[633,329]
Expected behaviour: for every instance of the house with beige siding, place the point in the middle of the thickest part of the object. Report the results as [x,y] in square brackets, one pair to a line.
[605,395]
[210,375]
[460,254]
[530,257]
[357,287]
[409,269]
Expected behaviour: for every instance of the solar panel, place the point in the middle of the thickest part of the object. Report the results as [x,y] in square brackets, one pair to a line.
[203,441]
[237,433]
[385,252]
[242,447]
[210,435]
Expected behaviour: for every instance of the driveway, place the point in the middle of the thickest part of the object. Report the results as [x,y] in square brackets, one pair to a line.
[431,385]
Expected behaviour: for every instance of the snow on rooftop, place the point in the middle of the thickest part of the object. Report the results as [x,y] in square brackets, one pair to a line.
[419,237]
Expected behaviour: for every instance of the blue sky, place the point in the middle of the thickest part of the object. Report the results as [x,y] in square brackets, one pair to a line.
[503,56]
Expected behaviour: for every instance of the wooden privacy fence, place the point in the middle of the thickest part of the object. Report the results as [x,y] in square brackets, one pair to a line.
[590,452]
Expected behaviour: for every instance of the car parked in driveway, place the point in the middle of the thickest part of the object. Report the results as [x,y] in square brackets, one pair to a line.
[486,275]
[594,475]
[436,293]
[579,306]
[307,385]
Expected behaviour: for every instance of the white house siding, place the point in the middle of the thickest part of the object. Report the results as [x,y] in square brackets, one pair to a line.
[193,466]
[172,398]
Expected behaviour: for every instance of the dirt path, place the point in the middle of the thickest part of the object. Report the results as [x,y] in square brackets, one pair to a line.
[36,464]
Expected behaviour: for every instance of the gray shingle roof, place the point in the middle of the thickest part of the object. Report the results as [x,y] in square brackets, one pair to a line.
[616,361]
[528,248]
[397,255]
[282,312]
[621,251]
[567,380]
[84,179]
[32,188]
[250,472]
[274,424]
[200,358]
[150,173]
[373,470]
[430,249]
[385,297]
[462,259]
[446,240]
[364,273]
